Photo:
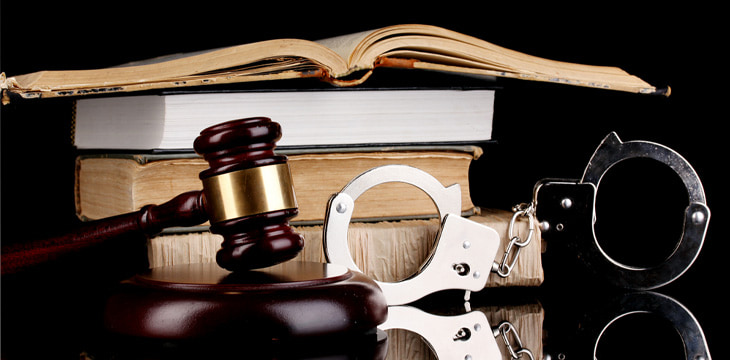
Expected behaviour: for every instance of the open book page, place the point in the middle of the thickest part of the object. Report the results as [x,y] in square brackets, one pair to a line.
[333,59]
[442,49]
[598,77]
[344,45]
[165,58]
[208,67]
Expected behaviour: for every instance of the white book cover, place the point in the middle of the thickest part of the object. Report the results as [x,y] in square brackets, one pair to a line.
[307,118]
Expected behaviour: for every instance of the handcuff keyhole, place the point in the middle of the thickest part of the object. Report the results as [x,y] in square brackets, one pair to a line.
[463,334]
[462,269]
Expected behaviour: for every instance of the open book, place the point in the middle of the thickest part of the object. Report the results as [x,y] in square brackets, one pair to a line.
[346,60]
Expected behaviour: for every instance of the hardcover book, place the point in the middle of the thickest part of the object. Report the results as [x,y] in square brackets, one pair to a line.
[388,251]
[346,60]
[329,118]
[109,184]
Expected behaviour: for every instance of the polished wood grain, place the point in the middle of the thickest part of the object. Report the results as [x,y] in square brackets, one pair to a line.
[259,240]
[250,242]
[184,210]
[292,300]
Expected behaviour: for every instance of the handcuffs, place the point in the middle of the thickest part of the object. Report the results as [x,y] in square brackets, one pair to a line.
[465,251]
[569,207]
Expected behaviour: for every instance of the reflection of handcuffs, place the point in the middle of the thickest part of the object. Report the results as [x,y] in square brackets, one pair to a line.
[464,251]
[644,302]
[469,336]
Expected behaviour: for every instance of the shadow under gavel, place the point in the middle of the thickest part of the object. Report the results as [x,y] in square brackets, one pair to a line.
[247,197]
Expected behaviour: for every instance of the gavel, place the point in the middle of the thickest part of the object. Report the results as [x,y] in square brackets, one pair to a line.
[247,197]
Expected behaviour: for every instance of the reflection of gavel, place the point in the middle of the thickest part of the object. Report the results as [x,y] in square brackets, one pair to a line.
[247,196]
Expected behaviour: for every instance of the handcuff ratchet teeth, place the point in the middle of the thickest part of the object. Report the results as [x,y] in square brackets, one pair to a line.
[567,207]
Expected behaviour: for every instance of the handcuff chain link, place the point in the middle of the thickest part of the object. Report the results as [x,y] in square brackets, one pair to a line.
[509,259]
[504,329]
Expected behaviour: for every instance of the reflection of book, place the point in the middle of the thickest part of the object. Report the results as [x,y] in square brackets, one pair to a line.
[387,250]
[344,60]
[308,118]
[112,184]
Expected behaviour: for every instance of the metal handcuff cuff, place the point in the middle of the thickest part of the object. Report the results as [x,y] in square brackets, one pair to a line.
[464,251]
[461,259]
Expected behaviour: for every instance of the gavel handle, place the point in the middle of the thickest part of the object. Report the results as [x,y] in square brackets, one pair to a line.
[184,210]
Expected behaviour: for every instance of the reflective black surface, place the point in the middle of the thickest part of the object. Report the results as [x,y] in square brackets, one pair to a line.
[542,131]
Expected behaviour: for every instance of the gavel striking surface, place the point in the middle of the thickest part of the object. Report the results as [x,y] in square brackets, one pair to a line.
[252,290]
[292,300]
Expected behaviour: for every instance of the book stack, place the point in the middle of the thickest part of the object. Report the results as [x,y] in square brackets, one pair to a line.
[345,60]
[135,125]
[338,133]
[136,150]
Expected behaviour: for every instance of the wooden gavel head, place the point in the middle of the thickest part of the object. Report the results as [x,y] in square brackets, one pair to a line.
[248,194]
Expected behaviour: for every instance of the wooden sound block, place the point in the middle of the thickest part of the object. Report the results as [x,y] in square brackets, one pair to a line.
[288,301]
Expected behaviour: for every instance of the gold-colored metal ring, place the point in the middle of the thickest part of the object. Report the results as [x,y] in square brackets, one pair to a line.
[249,192]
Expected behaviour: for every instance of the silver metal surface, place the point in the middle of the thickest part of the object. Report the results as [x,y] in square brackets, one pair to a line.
[567,192]
[465,336]
[612,151]
[512,341]
[663,306]
[463,251]
[447,199]
[515,245]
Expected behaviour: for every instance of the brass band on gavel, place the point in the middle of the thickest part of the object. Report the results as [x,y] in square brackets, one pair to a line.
[248,192]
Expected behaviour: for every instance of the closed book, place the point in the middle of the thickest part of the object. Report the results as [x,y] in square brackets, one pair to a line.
[109,184]
[308,118]
[387,251]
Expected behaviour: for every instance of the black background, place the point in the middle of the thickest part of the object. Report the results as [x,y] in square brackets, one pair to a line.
[543,130]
